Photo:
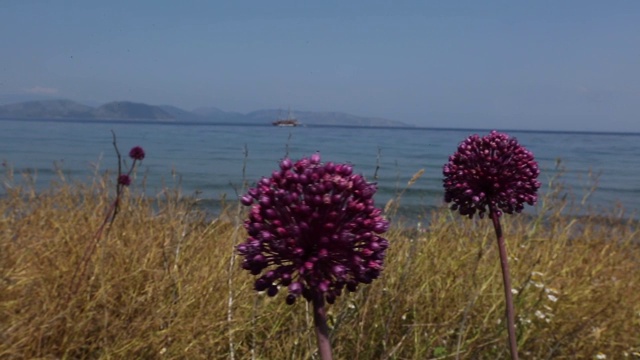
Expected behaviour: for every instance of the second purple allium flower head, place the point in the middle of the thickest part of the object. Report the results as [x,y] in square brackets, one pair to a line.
[124,180]
[313,228]
[493,171]
[136,153]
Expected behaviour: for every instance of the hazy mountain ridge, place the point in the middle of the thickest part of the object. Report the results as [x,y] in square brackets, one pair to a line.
[67,109]
[217,114]
[130,110]
[126,110]
[46,109]
[180,114]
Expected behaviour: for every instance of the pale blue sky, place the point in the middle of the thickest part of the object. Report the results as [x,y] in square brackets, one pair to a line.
[548,65]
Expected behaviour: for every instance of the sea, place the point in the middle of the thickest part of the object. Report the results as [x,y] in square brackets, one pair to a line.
[215,162]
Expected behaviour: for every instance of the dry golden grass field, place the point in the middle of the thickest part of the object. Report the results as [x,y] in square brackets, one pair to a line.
[163,282]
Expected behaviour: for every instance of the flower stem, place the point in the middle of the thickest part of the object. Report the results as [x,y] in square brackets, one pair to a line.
[513,346]
[322,330]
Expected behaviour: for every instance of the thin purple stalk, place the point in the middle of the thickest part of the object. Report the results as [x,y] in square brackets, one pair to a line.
[90,249]
[322,330]
[506,278]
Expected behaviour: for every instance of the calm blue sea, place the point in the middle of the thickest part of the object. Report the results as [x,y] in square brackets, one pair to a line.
[209,158]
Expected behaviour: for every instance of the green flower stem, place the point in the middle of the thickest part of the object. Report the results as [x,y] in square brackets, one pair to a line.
[506,278]
[322,330]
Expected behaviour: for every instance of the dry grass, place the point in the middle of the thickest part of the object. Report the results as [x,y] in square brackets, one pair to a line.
[157,286]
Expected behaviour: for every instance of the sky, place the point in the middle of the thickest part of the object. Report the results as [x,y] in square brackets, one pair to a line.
[534,65]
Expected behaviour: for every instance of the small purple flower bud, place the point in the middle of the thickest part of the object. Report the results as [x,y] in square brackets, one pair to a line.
[286,279]
[286,164]
[344,170]
[261,284]
[246,200]
[291,299]
[270,214]
[136,153]
[295,288]
[272,290]
[381,227]
[324,286]
[124,180]
[264,200]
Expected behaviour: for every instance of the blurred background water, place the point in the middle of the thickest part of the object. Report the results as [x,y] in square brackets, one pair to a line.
[209,158]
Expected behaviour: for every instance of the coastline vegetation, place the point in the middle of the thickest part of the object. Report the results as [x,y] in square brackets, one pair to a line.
[165,283]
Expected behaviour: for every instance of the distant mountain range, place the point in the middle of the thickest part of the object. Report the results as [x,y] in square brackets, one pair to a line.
[125,110]
[67,109]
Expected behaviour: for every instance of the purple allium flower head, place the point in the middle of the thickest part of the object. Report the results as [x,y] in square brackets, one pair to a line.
[136,153]
[124,180]
[493,171]
[313,229]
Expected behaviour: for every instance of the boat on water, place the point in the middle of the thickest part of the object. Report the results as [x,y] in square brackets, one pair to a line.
[290,120]
[286,122]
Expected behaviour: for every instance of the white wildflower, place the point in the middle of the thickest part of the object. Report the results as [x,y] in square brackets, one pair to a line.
[525,320]
[539,314]
[550,290]
[601,356]
[514,291]
[552,297]
[537,284]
